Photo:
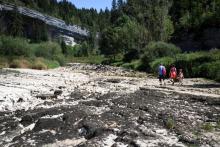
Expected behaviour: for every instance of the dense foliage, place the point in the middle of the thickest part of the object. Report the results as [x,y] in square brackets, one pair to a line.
[19,52]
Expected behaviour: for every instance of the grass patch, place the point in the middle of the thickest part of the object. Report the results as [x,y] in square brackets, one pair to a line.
[207,127]
[51,63]
[218,124]
[170,123]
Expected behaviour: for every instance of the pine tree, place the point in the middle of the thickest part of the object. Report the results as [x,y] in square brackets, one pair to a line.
[114,5]
[64,47]
[120,4]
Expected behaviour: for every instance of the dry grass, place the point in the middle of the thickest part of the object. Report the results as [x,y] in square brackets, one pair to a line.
[3,62]
[20,63]
[39,64]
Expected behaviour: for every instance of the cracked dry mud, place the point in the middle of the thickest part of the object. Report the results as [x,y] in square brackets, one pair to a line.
[101,106]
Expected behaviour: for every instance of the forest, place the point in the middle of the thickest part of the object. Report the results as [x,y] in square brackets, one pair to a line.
[135,34]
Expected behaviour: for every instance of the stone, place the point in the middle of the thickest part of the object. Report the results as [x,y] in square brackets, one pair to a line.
[20,100]
[27,120]
[48,123]
[58,92]
[46,96]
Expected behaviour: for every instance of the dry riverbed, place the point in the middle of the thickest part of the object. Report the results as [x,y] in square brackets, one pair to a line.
[102,106]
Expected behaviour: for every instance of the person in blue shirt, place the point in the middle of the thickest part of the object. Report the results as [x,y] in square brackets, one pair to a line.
[162,74]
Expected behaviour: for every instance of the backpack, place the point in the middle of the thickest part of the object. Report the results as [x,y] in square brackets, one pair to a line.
[164,71]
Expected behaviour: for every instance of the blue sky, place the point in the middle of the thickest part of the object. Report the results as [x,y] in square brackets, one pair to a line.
[97,4]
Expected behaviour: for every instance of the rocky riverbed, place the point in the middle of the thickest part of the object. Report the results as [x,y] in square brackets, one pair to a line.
[102,106]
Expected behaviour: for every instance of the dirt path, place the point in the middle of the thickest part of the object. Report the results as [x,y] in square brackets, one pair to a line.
[86,105]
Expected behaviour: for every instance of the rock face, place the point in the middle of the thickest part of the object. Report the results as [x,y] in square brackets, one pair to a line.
[206,39]
[103,106]
[67,31]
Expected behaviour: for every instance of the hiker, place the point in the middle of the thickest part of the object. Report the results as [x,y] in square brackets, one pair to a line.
[180,76]
[173,74]
[162,74]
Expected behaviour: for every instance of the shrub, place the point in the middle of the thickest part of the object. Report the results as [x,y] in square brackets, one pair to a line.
[218,124]
[170,123]
[131,55]
[210,70]
[48,50]
[51,51]
[81,50]
[166,61]
[160,49]
[155,50]
[59,58]
[39,64]
[10,46]
[197,64]
[191,63]
[20,63]
[207,127]
[51,63]
[3,62]
[128,65]
[133,65]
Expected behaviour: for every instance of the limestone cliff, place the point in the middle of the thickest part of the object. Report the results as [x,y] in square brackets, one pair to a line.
[58,26]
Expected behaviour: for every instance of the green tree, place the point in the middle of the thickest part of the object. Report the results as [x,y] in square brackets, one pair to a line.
[64,47]
[109,43]
[114,5]
[120,4]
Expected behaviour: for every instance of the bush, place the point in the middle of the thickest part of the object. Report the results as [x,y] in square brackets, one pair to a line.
[155,50]
[191,63]
[17,50]
[51,51]
[48,50]
[133,65]
[20,63]
[59,58]
[210,70]
[39,64]
[207,127]
[3,62]
[51,63]
[81,50]
[197,64]
[10,46]
[90,59]
[170,123]
[166,61]
[131,55]
[160,49]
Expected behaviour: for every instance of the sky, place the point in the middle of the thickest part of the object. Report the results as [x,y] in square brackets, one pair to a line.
[97,4]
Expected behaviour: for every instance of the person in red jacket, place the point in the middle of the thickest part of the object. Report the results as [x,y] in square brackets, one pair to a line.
[173,74]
